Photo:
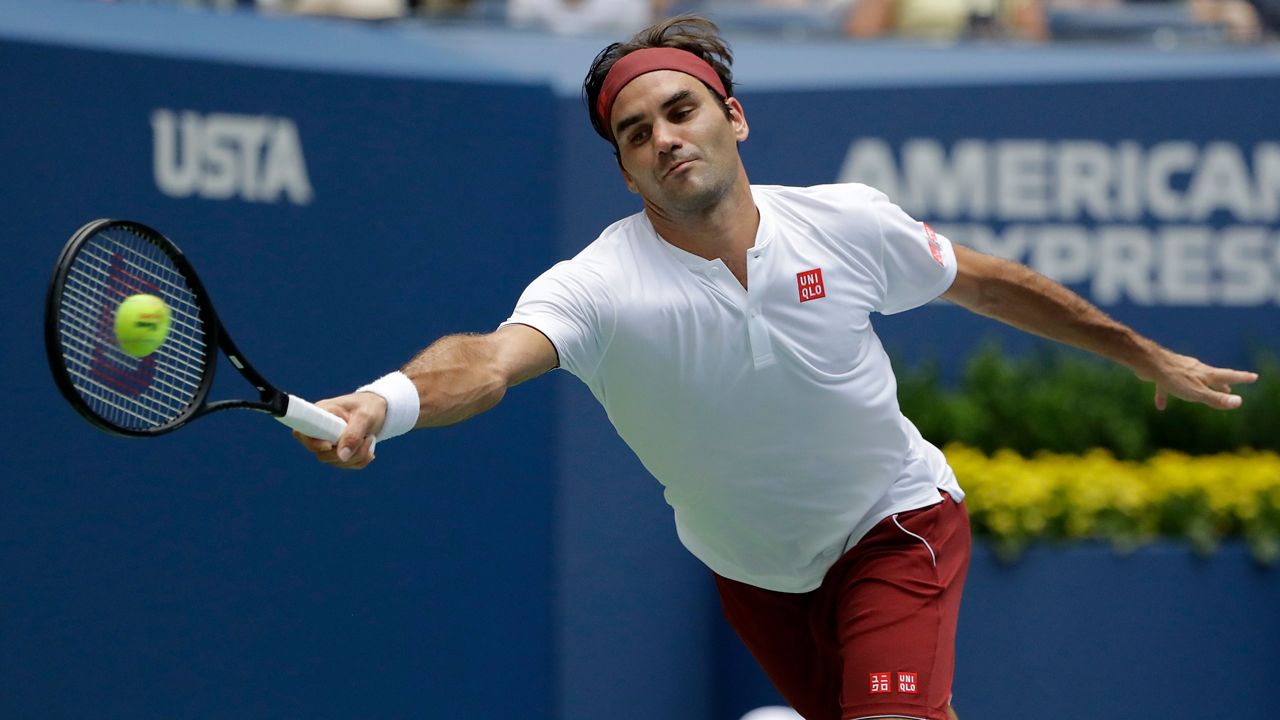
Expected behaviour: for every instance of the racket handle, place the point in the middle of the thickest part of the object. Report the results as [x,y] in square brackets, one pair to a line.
[312,421]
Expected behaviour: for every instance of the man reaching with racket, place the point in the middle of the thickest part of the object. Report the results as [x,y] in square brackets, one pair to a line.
[726,330]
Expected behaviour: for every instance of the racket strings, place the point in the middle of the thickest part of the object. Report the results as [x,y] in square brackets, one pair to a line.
[133,393]
[178,321]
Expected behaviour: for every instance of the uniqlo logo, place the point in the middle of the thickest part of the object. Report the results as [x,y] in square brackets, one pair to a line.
[809,283]
[907,683]
[934,248]
[880,683]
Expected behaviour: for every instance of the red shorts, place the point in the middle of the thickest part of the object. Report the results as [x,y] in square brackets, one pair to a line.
[878,636]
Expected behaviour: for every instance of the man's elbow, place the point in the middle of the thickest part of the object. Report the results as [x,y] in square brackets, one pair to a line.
[974,295]
[985,283]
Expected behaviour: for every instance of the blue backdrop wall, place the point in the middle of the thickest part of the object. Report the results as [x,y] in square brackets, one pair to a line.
[350,192]
[218,572]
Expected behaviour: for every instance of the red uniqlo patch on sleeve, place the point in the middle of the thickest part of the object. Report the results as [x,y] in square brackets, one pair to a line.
[907,683]
[880,683]
[809,283]
[934,248]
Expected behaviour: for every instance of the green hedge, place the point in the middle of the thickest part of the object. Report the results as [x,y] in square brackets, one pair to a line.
[1061,401]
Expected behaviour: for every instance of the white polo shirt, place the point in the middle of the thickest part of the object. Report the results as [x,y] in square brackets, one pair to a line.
[770,414]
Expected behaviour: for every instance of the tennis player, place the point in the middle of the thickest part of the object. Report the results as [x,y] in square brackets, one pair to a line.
[726,330]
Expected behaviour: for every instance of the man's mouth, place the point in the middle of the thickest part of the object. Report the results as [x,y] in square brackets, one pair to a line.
[676,167]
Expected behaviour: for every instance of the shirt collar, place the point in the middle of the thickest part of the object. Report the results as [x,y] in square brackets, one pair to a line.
[697,263]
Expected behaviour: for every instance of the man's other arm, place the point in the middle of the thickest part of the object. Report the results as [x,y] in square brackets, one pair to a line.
[1018,296]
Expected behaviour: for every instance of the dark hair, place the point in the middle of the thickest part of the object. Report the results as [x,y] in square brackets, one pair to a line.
[695,34]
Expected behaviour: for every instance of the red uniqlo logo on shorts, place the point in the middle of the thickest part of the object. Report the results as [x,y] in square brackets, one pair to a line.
[880,683]
[810,285]
[907,683]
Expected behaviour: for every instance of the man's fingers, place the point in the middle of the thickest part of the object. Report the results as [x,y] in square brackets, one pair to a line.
[315,445]
[364,414]
[1218,382]
[1222,400]
[354,448]
[1217,396]
[353,441]
[356,460]
[1223,376]
[1192,380]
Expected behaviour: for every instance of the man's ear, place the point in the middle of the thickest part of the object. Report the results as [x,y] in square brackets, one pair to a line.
[738,118]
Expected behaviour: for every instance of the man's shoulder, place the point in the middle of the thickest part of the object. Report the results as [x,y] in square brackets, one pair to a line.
[842,210]
[610,254]
[836,193]
[624,238]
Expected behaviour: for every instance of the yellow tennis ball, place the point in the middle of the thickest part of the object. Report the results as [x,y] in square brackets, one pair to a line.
[142,324]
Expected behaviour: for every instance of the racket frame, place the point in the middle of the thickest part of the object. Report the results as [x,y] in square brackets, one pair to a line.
[271,400]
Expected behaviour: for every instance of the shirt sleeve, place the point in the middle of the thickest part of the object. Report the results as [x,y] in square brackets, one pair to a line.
[918,263]
[567,304]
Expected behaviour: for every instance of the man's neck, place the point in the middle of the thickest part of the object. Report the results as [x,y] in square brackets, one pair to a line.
[725,231]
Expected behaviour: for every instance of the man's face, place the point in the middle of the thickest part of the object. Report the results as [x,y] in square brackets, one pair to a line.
[677,148]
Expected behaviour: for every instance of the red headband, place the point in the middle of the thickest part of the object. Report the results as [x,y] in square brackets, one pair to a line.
[635,64]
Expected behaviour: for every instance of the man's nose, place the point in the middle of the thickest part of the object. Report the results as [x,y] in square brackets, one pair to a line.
[665,137]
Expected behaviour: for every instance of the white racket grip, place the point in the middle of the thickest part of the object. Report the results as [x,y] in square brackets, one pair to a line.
[308,419]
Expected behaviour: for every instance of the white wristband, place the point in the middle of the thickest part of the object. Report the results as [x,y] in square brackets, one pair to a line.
[402,403]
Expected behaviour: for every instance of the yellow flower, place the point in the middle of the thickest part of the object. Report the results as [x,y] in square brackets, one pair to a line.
[1097,496]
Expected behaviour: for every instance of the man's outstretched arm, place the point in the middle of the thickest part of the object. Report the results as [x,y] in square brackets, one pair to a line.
[456,377]
[1018,296]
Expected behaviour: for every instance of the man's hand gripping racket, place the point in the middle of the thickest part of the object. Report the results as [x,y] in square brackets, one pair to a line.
[148,370]
[364,413]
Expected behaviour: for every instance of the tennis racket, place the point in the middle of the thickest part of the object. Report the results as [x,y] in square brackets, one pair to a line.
[107,261]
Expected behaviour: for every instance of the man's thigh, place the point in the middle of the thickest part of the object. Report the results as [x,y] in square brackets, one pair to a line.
[895,599]
[778,629]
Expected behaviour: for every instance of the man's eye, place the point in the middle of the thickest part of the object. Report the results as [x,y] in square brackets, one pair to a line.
[639,137]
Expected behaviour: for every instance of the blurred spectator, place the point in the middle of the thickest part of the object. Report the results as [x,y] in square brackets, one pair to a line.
[1166,23]
[1268,16]
[360,9]
[948,19]
[577,17]
[1237,17]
